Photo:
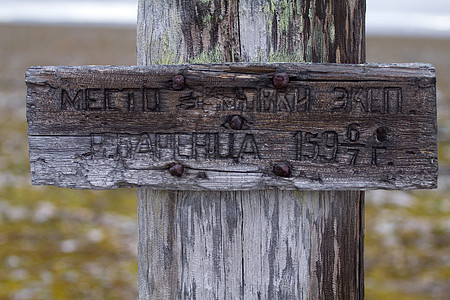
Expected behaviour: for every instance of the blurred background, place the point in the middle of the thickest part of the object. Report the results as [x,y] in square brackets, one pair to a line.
[66,244]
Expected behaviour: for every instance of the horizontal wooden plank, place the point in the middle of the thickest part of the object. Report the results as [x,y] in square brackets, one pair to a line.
[232,128]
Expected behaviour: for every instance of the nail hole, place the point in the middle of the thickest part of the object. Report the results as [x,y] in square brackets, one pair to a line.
[382,134]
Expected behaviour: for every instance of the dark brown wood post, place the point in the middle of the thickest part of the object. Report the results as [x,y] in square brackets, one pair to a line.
[262,244]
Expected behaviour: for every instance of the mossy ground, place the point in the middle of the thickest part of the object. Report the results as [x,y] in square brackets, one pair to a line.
[58,243]
[407,242]
[68,244]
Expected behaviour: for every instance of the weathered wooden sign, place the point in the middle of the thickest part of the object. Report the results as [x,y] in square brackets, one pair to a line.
[234,126]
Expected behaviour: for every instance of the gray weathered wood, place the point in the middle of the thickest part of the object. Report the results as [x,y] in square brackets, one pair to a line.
[326,263]
[175,32]
[249,245]
[336,126]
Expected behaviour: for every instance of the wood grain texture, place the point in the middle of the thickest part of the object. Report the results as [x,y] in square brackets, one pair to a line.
[173,31]
[248,245]
[335,126]
[295,274]
[310,31]
[251,31]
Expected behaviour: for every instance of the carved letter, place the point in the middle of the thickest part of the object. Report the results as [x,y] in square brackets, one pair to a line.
[165,145]
[225,142]
[268,100]
[72,103]
[355,153]
[375,152]
[353,132]
[104,145]
[124,147]
[341,98]
[151,100]
[145,144]
[204,146]
[376,99]
[250,97]
[307,145]
[95,99]
[359,98]
[184,146]
[393,98]
[283,100]
[330,146]
[303,101]
[249,148]
[121,99]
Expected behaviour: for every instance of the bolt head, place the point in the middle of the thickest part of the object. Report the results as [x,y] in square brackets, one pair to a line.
[280,80]
[178,82]
[176,170]
[236,122]
[282,170]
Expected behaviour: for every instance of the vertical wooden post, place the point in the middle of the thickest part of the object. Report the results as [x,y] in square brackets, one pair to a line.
[267,244]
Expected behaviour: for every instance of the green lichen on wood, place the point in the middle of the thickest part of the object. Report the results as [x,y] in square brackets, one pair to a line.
[169,55]
[284,13]
[213,56]
[285,57]
[299,30]
[206,21]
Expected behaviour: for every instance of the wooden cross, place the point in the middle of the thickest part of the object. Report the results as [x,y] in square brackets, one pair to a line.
[263,130]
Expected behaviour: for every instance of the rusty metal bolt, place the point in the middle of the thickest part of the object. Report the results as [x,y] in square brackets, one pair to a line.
[280,80]
[178,82]
[236,122]
[176,170]
[282,170]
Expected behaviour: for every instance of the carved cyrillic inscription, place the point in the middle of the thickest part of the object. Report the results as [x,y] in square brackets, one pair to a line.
[266,100]
[229,126]
[166,147]
[382,100]
[297,99]
[96,99]
[346,147]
